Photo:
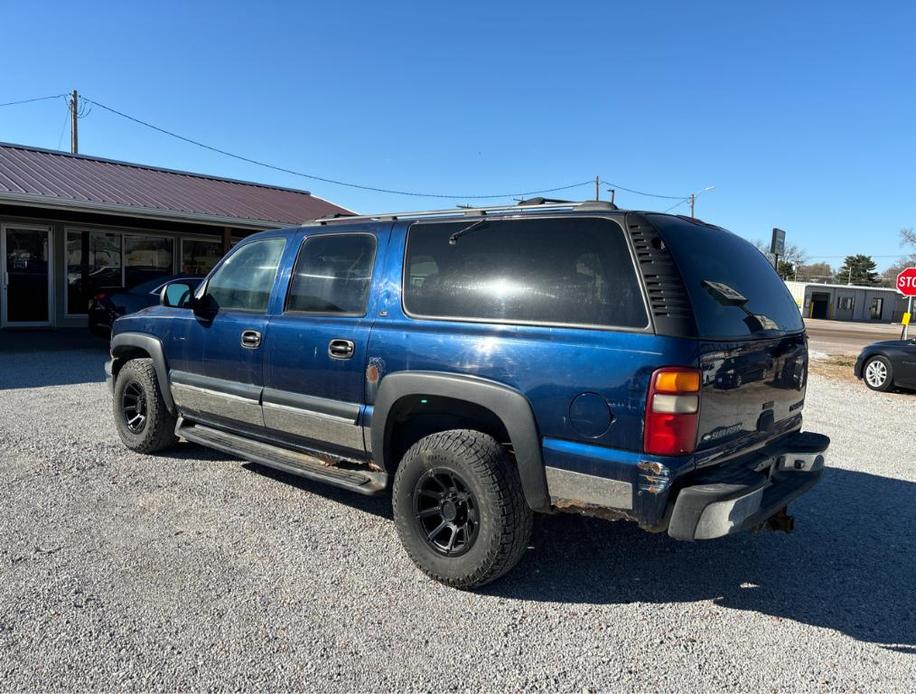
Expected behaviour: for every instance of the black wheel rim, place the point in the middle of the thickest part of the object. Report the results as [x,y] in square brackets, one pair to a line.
[446,512]
[133,407]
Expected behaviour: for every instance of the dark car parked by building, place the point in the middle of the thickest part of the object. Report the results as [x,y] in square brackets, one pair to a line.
[888,364]
[487,364]
[106,306]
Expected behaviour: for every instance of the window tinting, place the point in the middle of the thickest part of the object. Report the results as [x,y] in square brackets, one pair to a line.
[332,275]
[244,280]
[564,270]
[705,255]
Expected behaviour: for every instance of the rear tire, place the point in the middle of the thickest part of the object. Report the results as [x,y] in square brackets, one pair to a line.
[143,421]
[462,482]
[878,374]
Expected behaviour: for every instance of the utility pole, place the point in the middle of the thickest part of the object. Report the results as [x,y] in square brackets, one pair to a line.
[693,199]
[613,193]
[74,134]
[597,196]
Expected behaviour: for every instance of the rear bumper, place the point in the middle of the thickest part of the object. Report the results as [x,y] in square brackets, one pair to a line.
[726,501]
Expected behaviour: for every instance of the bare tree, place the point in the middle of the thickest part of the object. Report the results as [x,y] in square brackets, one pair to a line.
[789,261]
[794,255]
[815,272]
[908,237]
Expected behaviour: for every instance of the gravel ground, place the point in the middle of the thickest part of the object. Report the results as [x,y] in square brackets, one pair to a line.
[195,571]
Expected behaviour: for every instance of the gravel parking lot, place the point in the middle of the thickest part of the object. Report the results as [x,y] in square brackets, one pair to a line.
[196,571]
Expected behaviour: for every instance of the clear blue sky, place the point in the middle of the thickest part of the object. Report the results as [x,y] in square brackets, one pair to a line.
[803,115]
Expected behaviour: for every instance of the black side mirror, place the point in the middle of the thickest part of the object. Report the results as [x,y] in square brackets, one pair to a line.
[177,295]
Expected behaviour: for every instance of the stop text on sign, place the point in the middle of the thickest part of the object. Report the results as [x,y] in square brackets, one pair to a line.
[906,282]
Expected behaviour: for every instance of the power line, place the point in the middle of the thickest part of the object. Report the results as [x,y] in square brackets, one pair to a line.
[332,181]
[677,204]
[63,127]
[323,179]
[29,101]
[648,195]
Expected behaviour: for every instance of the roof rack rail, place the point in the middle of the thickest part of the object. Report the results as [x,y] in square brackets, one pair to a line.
[459,212]
[539,201]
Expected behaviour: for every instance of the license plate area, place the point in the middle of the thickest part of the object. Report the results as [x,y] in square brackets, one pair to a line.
[768,466]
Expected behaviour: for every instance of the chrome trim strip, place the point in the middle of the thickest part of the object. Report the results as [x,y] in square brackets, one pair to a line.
[588,489]
[207,401]
[327,428]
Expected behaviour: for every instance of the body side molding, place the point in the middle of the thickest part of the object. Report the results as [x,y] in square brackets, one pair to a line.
[122,343]
[511,406]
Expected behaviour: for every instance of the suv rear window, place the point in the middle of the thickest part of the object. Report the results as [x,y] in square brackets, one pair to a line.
[332,275]
[563,271]
[720,271]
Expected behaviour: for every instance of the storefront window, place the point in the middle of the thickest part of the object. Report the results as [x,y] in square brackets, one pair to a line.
[146,258]
[93,265]
[199,256]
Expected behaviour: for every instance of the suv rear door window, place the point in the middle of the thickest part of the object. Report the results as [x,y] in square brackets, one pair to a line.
[332,275]
[561,271]
[734,291]
[244,281]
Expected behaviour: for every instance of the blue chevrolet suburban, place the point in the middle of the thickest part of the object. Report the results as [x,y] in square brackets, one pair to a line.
[487,364]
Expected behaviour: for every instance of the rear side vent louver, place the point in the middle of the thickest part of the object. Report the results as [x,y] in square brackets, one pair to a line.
[668,299]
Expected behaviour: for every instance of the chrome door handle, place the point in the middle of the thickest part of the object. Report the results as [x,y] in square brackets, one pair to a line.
[251,339]
[341,349]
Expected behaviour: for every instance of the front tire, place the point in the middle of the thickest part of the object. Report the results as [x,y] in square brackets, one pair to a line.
[459,508]
[143,421]
[878,374]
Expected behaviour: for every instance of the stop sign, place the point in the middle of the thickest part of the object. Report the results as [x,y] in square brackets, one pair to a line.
[906,282]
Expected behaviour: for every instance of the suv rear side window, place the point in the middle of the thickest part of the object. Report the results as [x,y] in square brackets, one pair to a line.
[245,279]
[332,275]
[565,271]
[712,262]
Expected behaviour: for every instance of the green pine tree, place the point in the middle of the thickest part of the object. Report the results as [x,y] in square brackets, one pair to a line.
[858,269]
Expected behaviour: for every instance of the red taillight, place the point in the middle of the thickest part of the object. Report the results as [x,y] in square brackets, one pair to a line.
[100,296]
[672,411]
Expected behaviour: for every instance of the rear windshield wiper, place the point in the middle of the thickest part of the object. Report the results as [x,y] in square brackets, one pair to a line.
[453,239]
[725,295]
[729,296]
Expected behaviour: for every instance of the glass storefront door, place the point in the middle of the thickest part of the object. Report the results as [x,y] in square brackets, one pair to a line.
[26,296]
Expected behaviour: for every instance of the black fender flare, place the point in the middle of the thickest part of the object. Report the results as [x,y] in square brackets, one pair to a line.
[124,343]
[510,405]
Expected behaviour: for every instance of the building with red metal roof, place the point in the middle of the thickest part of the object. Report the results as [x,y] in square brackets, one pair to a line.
[72,225]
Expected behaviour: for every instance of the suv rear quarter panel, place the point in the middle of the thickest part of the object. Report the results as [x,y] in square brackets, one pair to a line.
[551,366]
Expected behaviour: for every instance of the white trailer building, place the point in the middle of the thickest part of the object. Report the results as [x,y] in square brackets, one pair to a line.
[848,302]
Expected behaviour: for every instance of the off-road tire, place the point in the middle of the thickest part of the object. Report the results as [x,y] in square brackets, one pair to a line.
[505,519]
[889,371]
[158,430]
